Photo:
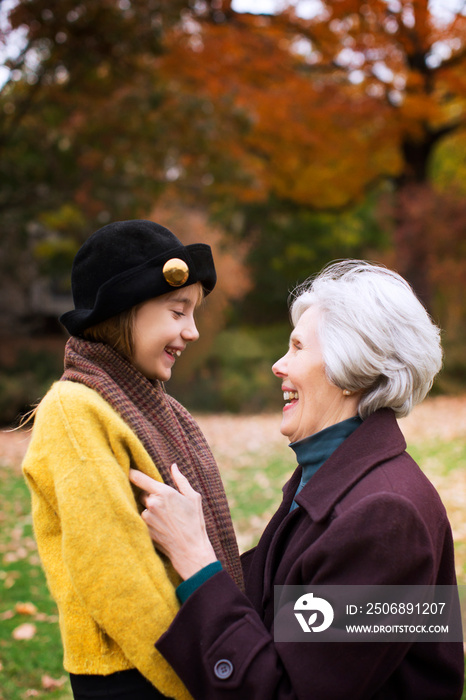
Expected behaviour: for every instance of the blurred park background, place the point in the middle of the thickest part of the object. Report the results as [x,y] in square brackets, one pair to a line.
[286,136]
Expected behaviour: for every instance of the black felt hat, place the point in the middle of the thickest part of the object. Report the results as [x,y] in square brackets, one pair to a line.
[128,262]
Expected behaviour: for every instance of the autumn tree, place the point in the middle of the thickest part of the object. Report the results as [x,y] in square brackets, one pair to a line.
[86,126]
[264,119]
[334,103]
[288,129]
[410,56]
[296,142]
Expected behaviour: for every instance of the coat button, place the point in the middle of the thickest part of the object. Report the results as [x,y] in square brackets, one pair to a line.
[223,669]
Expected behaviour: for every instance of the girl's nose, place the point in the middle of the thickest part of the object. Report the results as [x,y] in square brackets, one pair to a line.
[190,332]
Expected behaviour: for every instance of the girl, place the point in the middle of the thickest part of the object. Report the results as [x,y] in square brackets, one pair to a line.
[135,289]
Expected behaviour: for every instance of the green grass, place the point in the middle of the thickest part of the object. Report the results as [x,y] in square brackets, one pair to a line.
[445,464]
[25,663]
[440,457]
[254,490]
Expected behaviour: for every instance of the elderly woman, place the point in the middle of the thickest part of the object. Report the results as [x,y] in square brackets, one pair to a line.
[356,511]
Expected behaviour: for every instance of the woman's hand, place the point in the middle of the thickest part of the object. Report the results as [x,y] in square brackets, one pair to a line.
[175,521]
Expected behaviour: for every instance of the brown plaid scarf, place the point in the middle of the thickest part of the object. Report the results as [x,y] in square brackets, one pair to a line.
[166,429]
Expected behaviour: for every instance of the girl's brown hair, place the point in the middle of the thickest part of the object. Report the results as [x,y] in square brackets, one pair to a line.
[116,331]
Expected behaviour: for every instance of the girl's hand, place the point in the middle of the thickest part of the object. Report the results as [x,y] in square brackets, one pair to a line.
[175,521]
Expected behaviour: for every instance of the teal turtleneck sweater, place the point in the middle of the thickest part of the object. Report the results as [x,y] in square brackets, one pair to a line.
[313,451]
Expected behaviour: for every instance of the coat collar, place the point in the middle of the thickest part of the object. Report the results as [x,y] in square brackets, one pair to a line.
[378,438]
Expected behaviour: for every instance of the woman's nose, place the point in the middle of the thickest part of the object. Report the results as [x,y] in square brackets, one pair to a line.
[279,368]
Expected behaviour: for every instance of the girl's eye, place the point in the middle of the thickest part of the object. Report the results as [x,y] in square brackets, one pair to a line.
[178,314]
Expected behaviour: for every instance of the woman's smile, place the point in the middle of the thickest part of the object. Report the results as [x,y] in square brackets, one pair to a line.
[291,396]
[312,402]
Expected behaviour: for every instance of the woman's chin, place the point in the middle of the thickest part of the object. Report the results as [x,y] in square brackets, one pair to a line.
[284,429]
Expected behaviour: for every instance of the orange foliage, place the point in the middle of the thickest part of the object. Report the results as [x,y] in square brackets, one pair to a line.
[303,139]
[330,103]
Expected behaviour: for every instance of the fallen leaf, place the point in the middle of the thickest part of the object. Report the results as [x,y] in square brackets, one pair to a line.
[7,615]
[49,683]
[11,579]
[43,617]
[10,582]
[25,608]
[24,632]
[17,555]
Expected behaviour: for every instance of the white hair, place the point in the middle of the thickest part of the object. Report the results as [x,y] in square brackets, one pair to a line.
[376,336]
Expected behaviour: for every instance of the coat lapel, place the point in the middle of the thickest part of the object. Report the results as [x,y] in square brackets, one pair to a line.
[377,440]
[256,559]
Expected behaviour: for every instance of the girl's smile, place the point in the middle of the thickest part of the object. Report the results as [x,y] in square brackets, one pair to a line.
[163,326]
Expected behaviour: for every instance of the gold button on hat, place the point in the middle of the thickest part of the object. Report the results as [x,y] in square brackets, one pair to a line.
[175,272]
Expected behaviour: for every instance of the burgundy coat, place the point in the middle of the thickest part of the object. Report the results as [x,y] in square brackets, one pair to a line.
[368,516]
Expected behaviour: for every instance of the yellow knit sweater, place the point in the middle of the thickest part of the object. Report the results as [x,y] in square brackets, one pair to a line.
[115,594]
